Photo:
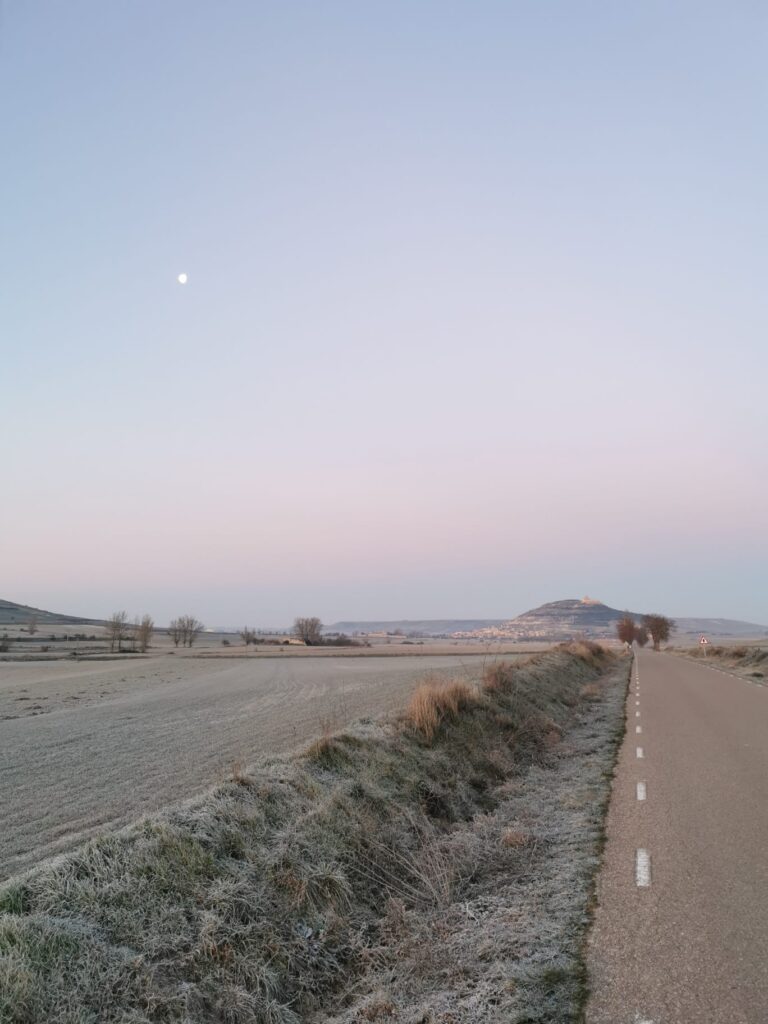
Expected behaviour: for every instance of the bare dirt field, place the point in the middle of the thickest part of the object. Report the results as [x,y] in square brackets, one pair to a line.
[88,745]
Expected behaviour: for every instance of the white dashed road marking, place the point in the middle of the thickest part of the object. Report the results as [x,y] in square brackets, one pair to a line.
[640,752]
[638,728]
[643,869]
[642,792]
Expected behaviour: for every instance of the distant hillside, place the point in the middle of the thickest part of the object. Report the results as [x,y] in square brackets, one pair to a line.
[424,627]
[564,619]
[721,627]
[558,620]
[12,614]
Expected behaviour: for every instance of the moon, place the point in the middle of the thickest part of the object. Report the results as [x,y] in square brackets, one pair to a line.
[182,278]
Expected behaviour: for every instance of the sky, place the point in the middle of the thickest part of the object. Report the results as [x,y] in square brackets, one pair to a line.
[475,315]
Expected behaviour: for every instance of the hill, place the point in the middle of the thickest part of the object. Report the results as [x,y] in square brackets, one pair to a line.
[563,620]
[12,614]
[560,620]
[420,627]
[555,621]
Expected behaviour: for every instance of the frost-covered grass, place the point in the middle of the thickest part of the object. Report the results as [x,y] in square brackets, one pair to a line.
[750,662]
[391,872]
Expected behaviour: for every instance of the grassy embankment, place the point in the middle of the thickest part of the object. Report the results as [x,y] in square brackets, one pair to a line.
[750,662]
[437,868]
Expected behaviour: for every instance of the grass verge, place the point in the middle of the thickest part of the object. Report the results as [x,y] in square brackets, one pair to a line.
[436,868]
[750,662]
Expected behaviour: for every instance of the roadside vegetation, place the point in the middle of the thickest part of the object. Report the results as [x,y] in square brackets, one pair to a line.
[434,868]
[750,662]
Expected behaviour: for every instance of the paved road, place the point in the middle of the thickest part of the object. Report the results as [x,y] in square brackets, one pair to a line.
[82,747]
[690,942]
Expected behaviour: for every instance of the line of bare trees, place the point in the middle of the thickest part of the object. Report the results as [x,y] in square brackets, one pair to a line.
[657,628]
[137,635]
[185,630]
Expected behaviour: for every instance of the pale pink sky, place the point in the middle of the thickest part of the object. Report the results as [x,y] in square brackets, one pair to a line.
[475,315]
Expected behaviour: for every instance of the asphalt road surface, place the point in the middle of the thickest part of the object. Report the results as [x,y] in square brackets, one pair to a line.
[681,929]
[88,746]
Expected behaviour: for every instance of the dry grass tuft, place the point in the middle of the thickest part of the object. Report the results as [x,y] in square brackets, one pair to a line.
[589,692]
[497,677]
[378,1008]
[587,650]
[240,774]
[515,839]
[552,737]
[435,703]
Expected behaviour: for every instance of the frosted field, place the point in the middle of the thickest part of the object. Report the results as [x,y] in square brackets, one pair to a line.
[89,745]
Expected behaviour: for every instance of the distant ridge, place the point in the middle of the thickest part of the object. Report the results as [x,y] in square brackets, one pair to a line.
[427,627]
[12,614]
[564,619]
[558,620]
[555,621]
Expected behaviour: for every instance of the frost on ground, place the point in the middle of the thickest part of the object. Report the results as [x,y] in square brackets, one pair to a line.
[508,945]
[437,868]
[749,662]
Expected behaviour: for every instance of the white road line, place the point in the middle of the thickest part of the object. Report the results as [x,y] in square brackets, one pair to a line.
[643,868]
[637,703]
[642,792]
[640,752]
[638,728]
[637,714]
[642,1020]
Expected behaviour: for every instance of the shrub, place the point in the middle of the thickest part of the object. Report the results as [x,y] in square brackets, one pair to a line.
[497,676]
[434,703]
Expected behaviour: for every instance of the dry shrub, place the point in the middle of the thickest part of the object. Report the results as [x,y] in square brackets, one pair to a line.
[497,677]
[514,838]
[321,748]
[551,739]
[586,650]
[240,774]
[394,924]
[377,1009]
[589,692]
[434,703]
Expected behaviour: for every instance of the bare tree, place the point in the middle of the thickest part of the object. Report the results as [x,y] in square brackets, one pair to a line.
[144,631]
[117,627]
[32,625]
[190,629]
[625,628]
[659,626]
[641,635]
[248,636]
[175,631]
[309,630]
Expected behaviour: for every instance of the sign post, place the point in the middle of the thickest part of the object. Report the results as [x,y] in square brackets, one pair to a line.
[703,641]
